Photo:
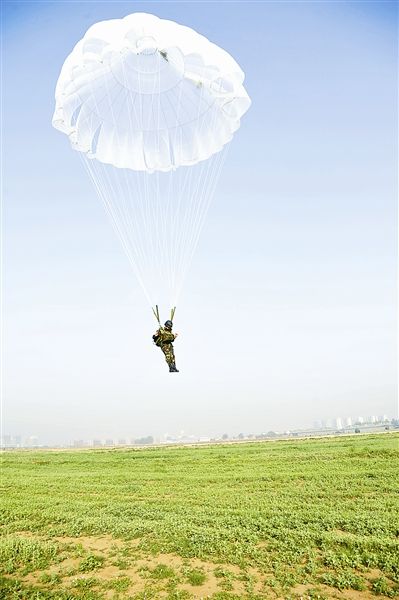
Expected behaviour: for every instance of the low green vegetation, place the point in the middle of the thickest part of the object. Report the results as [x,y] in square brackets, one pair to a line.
[90,563]
[195,577]
[312,519]
[18,554]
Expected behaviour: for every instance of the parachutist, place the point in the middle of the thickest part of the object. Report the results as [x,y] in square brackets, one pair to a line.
[164,339]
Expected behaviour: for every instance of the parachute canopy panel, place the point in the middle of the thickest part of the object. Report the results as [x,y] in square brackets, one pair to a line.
[148,94]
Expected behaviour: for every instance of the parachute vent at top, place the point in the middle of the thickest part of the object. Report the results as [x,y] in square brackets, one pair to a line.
[148,94]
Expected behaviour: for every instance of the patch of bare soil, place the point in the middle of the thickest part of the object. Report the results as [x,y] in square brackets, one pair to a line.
[27,534]
[60,568]
[178,564]
[300,591]
[373,574]
[343,533]
[139,570]
[94,543]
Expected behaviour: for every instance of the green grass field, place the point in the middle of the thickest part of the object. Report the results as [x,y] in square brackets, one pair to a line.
[284,519]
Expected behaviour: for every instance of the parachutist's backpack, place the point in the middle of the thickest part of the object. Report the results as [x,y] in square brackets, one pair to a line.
[157,339]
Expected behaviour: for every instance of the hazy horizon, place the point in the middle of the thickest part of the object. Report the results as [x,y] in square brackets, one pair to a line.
[288,313]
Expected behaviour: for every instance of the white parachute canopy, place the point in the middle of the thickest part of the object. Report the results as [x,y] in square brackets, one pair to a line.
[151,105]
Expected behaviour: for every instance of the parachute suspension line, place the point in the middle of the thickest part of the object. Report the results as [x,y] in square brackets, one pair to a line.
[192,194]
[188,181]
[101,177]
[202,195]
[207,196]
[115,221]
[172,191]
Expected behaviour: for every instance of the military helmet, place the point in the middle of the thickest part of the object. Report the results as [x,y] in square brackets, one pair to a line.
[168,324]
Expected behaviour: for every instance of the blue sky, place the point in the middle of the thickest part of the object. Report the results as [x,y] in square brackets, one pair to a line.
[288,312]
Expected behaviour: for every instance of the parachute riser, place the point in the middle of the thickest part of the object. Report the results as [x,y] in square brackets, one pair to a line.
[156,313]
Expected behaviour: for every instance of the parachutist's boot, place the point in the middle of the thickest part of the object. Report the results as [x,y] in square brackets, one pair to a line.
[172,368]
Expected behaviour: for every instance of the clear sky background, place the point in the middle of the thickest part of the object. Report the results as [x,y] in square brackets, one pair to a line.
[288,312]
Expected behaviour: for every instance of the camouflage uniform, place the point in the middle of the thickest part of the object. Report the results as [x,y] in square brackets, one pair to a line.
[164,341]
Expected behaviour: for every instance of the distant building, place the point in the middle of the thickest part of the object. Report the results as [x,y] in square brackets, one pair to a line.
[11,441]
[360,420]
[97,443]
[338,423]
[121,442]
[6,441]
[78,443]
[109,442]
[32,441]
[144,440]
[348,422]
[373,419]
